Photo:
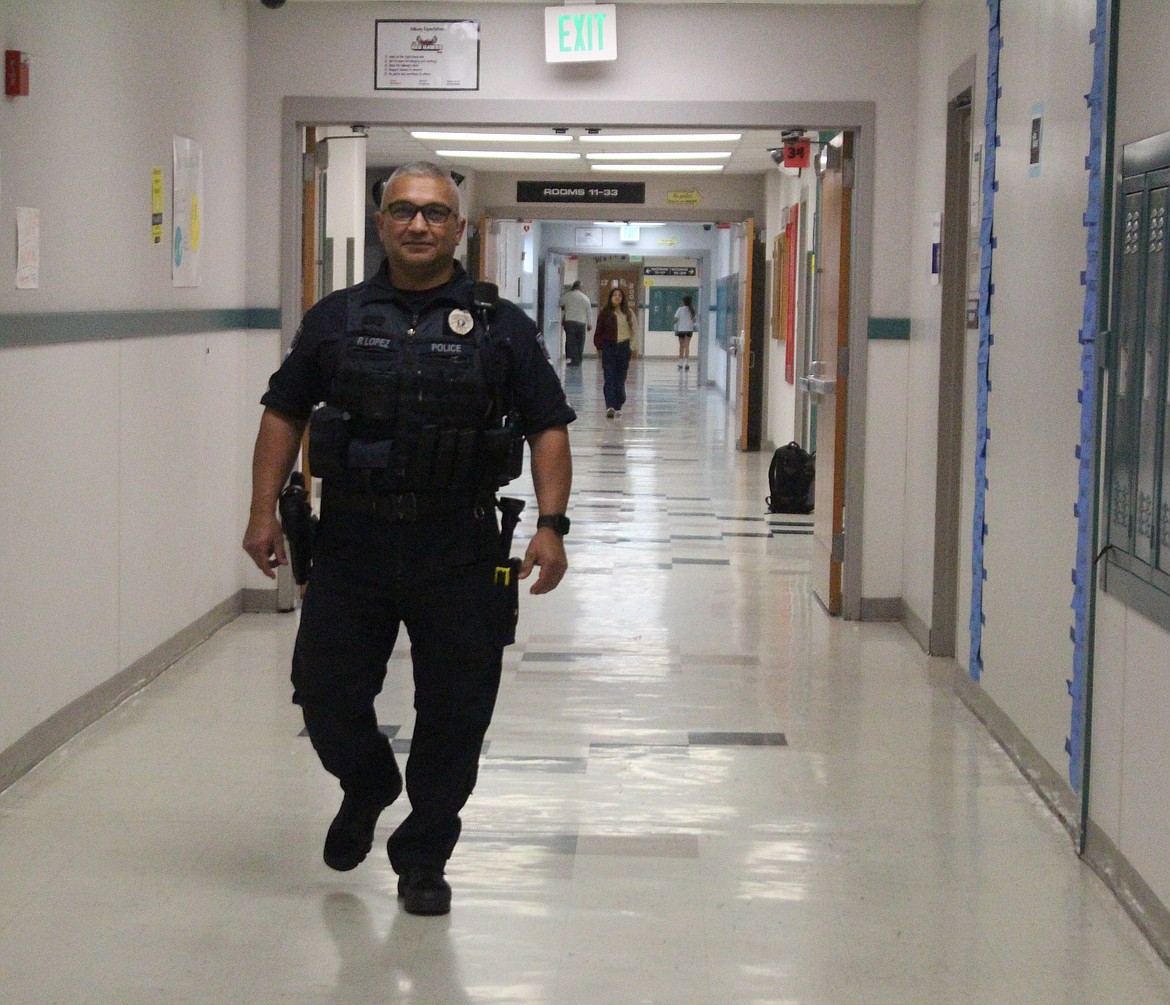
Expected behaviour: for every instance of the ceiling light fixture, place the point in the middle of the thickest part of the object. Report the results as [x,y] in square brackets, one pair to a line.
[517,155]
[661,156]
[424,134]
[665,138]
[679,168]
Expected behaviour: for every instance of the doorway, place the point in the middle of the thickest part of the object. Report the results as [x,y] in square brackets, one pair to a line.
[831,378]
[953,326]
[859,117]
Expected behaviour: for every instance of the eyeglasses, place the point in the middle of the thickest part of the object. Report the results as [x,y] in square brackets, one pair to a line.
[434,213]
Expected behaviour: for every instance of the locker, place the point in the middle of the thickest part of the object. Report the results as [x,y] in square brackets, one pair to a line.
[1137,460]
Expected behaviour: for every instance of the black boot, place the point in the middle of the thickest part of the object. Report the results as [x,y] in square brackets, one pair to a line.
[351,835]
[424,891]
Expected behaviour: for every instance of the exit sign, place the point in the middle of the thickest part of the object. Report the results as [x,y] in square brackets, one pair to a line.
[579,33]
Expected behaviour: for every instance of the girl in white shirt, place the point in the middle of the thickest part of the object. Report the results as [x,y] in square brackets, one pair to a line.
[684,328]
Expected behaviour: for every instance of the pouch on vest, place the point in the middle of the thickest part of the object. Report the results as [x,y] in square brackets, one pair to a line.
[373,455]
[503,455]
[367,384]
[328,442]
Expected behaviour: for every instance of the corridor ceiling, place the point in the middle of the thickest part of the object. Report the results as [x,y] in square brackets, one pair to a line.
[805,3]
[389,146]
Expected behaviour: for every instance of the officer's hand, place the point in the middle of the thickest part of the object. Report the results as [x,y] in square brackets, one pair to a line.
[264,543]
[547,550]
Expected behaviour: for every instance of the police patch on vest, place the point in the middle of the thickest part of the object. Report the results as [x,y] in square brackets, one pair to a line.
[460,322]
[448,348]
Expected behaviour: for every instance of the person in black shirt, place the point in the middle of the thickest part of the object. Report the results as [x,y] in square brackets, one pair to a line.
[428,385]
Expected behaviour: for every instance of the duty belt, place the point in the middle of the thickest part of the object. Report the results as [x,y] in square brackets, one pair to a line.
[406,507]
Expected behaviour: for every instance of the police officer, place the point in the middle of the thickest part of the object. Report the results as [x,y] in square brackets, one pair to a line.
[428,387]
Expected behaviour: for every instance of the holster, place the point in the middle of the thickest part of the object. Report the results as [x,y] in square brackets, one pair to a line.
[299,523]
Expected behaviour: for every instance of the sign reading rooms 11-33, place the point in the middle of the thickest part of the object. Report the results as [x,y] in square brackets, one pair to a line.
[580,33]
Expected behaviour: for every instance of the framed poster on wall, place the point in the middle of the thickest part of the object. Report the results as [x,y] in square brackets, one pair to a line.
[588,237]
[418,55]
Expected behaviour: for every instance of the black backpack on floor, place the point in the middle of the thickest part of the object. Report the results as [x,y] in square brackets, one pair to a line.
[791,479]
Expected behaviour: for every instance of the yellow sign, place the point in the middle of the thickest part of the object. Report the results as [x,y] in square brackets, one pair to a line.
[690,198]
[667,242]
[195,221]
[156,205]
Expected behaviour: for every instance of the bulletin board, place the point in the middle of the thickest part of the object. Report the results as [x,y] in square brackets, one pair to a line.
[727,310]
[664,301]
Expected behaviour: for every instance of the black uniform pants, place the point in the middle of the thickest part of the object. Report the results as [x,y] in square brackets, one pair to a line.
[368,579]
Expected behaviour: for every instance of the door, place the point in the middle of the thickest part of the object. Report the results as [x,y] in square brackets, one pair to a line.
[553,287]
[753,276]
[830,372]
[952,349]
[312,256]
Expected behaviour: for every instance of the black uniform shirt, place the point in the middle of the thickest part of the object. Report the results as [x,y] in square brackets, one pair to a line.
[306,375]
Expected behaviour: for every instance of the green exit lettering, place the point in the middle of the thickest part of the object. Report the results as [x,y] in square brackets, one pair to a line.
[582,32]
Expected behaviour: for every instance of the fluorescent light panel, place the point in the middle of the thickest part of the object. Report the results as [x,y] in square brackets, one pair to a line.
[681,168]
[493,137]
[661,156]
[517,155]
[663,138]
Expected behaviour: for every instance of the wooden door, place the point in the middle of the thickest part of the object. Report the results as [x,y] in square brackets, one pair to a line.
[830,378]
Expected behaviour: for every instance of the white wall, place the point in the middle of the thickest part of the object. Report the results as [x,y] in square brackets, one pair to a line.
[122,459]
[109,89]
[1131,686]
[1033,411]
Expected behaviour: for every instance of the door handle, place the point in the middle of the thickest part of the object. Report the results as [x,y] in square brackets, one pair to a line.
[818,385]
[817,382]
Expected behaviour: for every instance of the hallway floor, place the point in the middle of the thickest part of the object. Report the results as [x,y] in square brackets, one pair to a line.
[698,790]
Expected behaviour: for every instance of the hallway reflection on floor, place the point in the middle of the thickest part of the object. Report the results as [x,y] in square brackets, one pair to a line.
[698,789]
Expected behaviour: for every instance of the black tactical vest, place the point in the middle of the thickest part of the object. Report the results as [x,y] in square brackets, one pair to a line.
[417,403]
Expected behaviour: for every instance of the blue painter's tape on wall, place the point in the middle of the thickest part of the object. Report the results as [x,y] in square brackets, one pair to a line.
[983,385]
[1084,581]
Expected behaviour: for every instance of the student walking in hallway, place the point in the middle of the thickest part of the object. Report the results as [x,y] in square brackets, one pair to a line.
[616,340]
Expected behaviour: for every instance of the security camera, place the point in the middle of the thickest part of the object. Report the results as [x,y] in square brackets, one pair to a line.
[706,226]
[777,155]
[273,4]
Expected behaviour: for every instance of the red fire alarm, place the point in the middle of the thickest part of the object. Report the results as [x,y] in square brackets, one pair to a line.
[15,73]
[796,153]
